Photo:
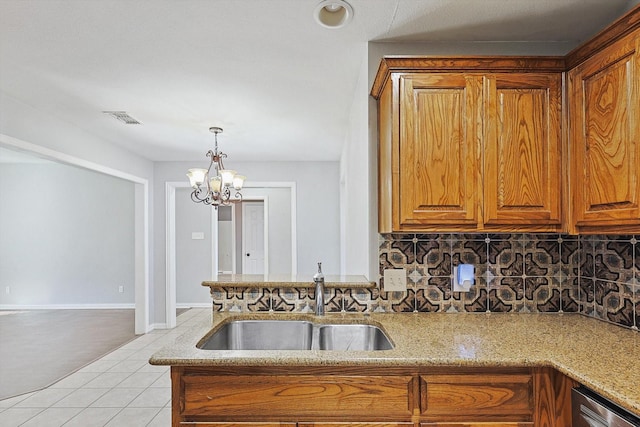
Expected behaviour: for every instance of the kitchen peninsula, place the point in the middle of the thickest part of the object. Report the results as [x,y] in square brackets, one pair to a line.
[510,368]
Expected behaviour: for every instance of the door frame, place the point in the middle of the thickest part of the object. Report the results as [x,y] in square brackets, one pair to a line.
[265,227]
[170,238]
[142,264]
[214,240]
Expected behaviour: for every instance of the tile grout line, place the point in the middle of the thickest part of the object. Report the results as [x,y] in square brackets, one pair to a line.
[141,349]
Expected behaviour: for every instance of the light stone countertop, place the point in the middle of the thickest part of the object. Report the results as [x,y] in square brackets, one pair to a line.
[601,356]
[286,280]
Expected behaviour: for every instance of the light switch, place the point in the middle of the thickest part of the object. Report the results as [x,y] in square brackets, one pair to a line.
[197,235]
[395,280]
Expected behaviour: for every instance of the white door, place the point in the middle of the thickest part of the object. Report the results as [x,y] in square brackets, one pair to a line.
[252,237]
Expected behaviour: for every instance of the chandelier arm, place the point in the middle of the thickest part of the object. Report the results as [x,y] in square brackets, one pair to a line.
[211,155]
[195,196]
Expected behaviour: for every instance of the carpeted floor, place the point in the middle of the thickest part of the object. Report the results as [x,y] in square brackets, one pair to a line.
[39,347]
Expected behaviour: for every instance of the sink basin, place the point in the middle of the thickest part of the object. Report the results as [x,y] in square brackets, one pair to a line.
[261,335]
[353,337]
[295,335]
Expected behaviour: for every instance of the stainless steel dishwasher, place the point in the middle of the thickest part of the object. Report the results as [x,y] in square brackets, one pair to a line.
[592,410]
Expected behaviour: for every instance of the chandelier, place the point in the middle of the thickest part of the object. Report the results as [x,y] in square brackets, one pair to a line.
[214,187]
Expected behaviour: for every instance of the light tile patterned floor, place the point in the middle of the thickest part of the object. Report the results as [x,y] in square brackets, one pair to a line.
[121,389]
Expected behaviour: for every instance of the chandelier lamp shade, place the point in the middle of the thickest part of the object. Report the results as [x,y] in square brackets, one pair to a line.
[214,186]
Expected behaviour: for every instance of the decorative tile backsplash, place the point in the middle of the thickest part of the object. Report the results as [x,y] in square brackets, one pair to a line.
[514,272]
[609,288]
[526,273]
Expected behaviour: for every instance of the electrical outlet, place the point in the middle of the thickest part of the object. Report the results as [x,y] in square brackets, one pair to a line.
[467,281]
[121,289]
[395,280]
[7,290]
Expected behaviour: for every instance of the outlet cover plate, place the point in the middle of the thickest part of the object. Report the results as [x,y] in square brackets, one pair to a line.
[395,280]
[457,287]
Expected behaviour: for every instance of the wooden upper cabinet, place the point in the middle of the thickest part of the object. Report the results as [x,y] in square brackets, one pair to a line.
[473,149]
[438,150]
[604,96]
[522,149]
[480,143]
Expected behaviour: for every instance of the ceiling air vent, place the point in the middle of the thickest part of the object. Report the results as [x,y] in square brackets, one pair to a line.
[123,116]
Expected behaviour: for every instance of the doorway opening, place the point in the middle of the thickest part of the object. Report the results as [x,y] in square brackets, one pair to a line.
[279,200]
[242,238]
[141,260]
[226,240]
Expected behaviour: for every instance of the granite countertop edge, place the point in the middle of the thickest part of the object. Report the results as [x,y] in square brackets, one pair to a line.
[286,281]
[275,284]
[599,355]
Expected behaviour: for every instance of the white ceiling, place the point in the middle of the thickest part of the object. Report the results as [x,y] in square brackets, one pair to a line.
[279,84]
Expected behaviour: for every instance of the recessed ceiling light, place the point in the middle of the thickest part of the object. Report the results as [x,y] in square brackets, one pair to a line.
[333,13]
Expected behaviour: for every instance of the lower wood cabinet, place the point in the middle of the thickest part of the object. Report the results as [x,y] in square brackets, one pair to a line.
[379,397]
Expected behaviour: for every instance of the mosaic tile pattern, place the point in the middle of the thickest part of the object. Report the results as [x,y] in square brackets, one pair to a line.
[597,276]
[514,272]
[609,279]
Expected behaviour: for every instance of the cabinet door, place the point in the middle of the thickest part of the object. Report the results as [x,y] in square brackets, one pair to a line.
[523,150]
[438,159]
[604,100]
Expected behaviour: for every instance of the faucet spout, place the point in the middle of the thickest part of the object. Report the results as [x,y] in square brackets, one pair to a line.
[318,279]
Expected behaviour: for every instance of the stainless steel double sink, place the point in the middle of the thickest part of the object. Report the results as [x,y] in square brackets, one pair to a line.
[296,335]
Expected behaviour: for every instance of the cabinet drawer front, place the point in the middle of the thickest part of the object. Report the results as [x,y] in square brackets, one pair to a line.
[296,397]
[355,424]
[477,397]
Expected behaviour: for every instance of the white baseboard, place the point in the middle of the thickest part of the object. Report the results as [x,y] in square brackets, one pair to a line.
[66,306]
[158,326]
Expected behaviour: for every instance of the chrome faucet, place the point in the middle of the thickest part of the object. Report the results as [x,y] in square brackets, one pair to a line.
[318,279]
